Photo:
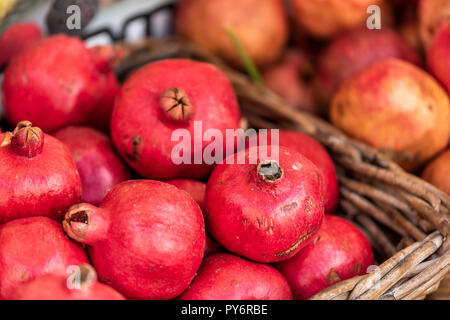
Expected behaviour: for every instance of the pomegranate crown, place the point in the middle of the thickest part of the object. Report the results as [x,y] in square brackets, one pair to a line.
[176,105]
[25,140]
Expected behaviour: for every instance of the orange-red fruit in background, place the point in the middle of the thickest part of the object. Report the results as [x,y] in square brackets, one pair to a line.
[260,26]
[397,108]
[431,15]
[437,172]
[438,55]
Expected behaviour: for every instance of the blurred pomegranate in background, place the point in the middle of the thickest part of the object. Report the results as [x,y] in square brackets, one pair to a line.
[260,26]
[437,172]
[397,108]
[431,14]
[409,28]
[327,18]
[438,55]
[354,51]
[290,79]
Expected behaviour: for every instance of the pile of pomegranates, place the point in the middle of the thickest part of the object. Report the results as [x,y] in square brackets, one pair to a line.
[137,190]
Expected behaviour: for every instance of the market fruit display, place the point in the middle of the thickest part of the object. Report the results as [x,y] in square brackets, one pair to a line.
[260,26]
[339,251]
[37,173]
[397,108]
[31,248]
[99,166]
[162,97]
[58,82]
[227,277]
[146,239]
[54,287]
[267,210]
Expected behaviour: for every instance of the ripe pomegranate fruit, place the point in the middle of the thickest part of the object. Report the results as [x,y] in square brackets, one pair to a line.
[290,77]
[438,55]
[99,167]
[59,82]
[431,15]
[260,26]
[165,96]
[55,287]
[437,172]
[328,18]
[354,51]
[16,38]
[339,251]
[264,211]
[31,248]
[397,108]
[227,277]
[37,174]
[152,224]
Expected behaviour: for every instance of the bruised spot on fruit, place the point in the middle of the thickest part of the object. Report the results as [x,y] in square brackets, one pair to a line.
[269,171]
[333,276]
[316,239]
[357,268]
[430,107]
[289,207]
[309,204]
[134,153]
[346,244]
[244,221]
[297,243]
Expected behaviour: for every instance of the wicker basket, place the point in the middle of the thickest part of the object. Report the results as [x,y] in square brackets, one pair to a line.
[406,219]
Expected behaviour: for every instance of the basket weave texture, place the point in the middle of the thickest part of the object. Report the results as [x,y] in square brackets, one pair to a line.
[406,219]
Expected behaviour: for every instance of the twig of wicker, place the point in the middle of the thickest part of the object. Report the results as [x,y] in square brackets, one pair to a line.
[388,204]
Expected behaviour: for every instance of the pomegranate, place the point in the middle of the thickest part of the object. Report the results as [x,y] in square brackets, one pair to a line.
[31,248]
[37,174]
[99,167]
[395,107]
[437,172]
[165,96]
[59,82]
[267,210]
[354,51]
[438,55]
[339,251]
[146,239]
[55,287]
[290,77]
[431,15]
[328,18]
[260,26]
[16,38]
[227,277]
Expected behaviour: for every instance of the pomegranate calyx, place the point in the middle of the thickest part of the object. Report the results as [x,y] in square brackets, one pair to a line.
[269,171]
[176,105]
[26,140]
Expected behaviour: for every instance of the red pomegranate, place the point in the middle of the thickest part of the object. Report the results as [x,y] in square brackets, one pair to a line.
[438,55]
[267,208]
[58,287]
[59,82]
[227,277]
[31,248]
[432,13]
[37,174]
[146,239]
[99,167]
[354,51]
[16,38]
[162,97]
[339,251]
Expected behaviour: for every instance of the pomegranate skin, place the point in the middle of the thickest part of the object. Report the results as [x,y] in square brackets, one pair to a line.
[146,239]
[371,106]
[339,251]
[438,55]
[437,172]
[354,51]
[227,277]
[260,26]
[55,287]
[45,184]
[31,248]
[59,82]
[99,167]
[141,131]
[16,38]
[432,13]
[265,218]
[196,189]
